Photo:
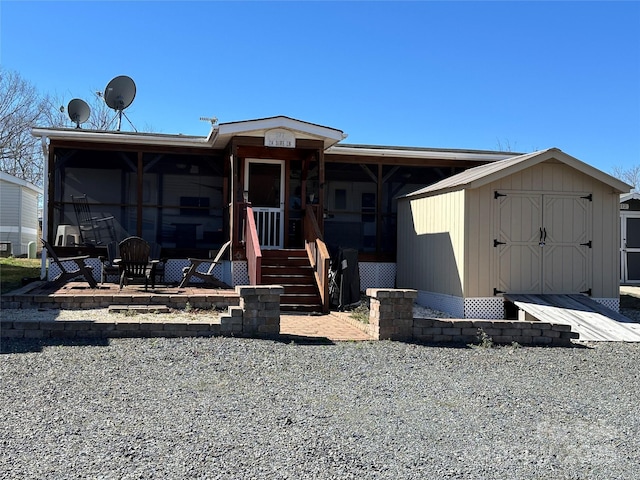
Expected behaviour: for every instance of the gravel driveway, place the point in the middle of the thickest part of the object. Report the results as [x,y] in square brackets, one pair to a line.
[243,408]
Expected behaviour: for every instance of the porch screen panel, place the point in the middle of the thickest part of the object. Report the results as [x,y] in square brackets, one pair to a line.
[183,204]
[350,201]
[106,178]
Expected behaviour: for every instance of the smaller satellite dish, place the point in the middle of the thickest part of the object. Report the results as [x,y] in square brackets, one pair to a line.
[120,92]
[78,111]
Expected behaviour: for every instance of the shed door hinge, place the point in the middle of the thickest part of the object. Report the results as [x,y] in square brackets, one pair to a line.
[587,292]
[588,244]
[496,242]
[496,291]
[496,194]
[588,197]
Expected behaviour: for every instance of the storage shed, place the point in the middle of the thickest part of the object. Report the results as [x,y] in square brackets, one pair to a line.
[18,215]
[538,223]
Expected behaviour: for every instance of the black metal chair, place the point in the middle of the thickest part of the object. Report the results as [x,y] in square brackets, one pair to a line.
[92,228]
[66,273]
[135,262]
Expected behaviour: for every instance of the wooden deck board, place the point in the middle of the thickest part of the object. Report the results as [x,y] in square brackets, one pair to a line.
[593,321]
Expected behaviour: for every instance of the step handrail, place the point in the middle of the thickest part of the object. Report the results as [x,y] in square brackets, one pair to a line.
[253,251]
[318,255]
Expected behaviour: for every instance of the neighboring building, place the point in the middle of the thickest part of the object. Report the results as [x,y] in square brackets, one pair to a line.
[538,223]
[18,215]
[630,238]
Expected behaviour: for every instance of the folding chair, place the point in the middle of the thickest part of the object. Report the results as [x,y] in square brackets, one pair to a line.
[207,277]
[91,228]
[66,274]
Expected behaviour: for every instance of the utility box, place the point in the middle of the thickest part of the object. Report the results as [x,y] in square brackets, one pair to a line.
[5,249]
[31,249]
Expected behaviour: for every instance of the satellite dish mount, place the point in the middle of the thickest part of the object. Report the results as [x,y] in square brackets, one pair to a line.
[118,95]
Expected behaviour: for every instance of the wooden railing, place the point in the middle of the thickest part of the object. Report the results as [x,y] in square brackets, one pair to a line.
[318,255]
[253,252]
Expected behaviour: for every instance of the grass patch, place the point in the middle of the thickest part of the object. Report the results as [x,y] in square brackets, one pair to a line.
[13,270]
[361,312]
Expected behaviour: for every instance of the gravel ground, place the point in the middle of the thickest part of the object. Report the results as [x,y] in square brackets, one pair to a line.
[262,409]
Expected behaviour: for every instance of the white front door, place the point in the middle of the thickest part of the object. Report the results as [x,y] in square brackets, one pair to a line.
[630,248]
[264,184]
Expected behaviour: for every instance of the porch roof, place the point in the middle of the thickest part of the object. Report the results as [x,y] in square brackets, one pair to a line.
[484,174]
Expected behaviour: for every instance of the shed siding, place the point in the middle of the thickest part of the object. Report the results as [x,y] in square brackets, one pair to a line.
[431,243]
[10,201]
[479,221]
[554,177]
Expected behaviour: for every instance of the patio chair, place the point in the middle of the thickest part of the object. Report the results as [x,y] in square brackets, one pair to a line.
[207,277]
[66,273]
[91,228]
[135,263]
[109,267]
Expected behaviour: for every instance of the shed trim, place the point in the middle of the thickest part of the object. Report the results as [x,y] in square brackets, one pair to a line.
[484,174]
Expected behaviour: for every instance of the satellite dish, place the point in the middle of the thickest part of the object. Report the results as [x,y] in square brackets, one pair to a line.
[78,111]
[119,94]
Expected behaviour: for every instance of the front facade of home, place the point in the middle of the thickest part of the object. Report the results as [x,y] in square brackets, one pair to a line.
[190,194]
[18,215]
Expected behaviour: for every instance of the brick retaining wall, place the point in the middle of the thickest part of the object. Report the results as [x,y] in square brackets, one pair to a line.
[391,317]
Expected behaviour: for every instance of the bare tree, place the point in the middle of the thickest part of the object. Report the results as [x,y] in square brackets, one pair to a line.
[629,175]
[21,107]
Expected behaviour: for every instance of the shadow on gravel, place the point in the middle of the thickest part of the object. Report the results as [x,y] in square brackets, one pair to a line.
[302,340]
[23,345]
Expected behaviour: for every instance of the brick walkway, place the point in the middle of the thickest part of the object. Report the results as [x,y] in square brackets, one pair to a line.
[335,327]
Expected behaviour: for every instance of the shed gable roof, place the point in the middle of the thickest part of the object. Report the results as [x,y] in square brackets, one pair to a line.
[479,176]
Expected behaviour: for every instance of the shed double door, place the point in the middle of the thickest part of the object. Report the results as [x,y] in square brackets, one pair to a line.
[543,243]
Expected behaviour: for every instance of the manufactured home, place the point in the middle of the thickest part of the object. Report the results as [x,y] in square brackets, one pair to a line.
[539,223]
[19,224]
[277,185]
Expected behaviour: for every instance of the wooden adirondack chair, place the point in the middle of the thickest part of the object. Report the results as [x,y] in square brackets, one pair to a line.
[66,273]
[135,262]
[207,277]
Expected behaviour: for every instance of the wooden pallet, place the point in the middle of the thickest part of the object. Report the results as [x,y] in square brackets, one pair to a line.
[592,320]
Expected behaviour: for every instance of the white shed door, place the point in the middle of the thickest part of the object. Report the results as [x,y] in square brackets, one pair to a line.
[543,243]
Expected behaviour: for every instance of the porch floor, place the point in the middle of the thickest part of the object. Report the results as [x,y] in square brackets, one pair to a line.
[95,303]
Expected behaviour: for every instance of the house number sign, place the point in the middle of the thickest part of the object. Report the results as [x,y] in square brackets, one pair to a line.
[279,137]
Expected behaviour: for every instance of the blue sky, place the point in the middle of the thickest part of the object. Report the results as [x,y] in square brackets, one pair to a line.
[471,75]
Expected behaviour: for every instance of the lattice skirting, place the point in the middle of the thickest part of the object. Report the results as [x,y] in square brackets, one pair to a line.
[239,273]
[490,308]
[377,275]
[612,303]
